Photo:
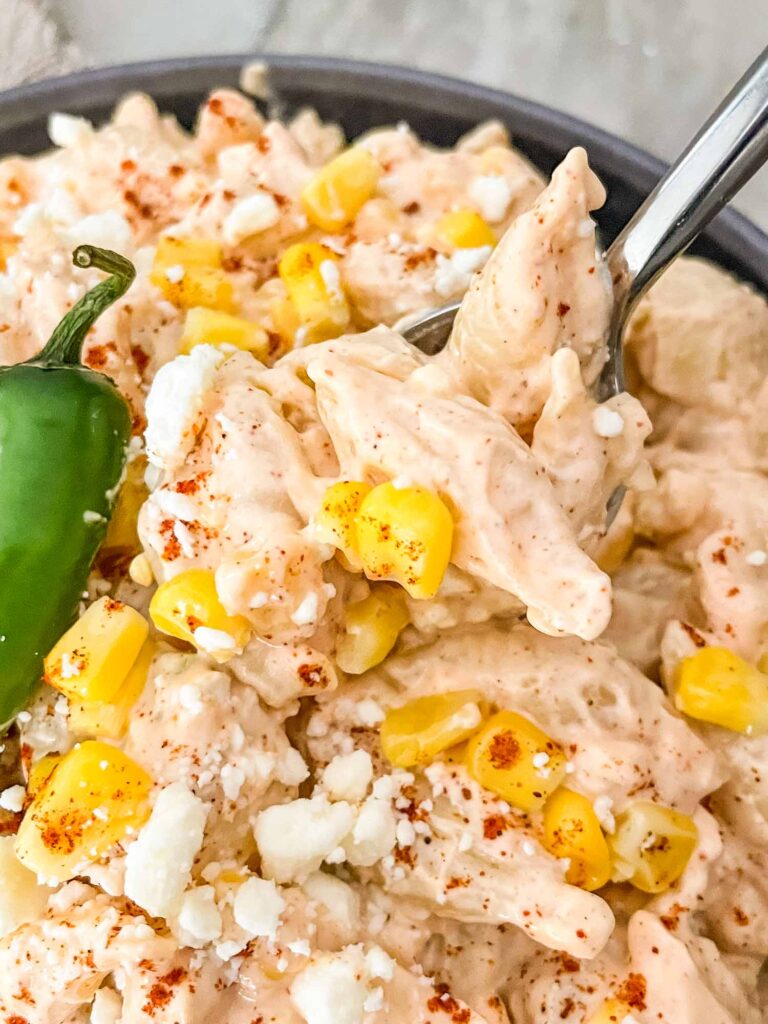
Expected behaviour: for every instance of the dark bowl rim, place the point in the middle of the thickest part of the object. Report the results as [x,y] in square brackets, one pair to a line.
[128,76]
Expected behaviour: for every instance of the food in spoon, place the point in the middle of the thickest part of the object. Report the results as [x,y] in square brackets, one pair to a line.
[362,717]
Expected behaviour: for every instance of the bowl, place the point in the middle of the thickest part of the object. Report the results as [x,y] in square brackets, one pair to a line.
[360,96]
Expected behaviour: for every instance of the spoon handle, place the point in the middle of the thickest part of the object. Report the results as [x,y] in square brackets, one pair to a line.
[723,156]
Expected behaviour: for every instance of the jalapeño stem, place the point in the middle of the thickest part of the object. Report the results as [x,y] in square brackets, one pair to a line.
[66,342]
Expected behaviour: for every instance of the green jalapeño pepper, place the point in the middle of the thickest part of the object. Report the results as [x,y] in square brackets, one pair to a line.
[64,431]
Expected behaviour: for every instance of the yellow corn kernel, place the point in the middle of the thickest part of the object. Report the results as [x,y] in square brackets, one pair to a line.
[86,806]
[310,274]
[651,845]
[335,522]
[715,685]
[188,603]
[423,728]
[571,830]
[513,758]
[285,320]
[405,534]
[40,772]
[613,1011]
[335,194]
[109,721]
[212,327]
[95,655]
[464,229]
[122,533]
[372,627]
[188,271]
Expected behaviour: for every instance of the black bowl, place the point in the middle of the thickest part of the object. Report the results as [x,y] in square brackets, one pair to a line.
[361,96]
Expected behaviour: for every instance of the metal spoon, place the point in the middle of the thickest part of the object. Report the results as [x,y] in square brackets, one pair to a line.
[722,157]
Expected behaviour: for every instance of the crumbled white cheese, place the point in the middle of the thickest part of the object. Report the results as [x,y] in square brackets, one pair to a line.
[199,918]
[257,908]
[108,229]
[31,217]
[107,1007]
[249,216]
[331,989]
[294,838]
[190,698]
[602,808]
[369,713]
[175,403]
[373,835]
[90,516]
[226,950]
[300,947]
[291,768]
[492,194]
[306,613]
[232,780]
[374,1000]
[607,422]
[528,848]
[177,505]
[214,641]
[339,899]
[158,864]
[67,130]
[757,558]
[454,272]
[348,776]
[405,832]
[12,799]
[379,964]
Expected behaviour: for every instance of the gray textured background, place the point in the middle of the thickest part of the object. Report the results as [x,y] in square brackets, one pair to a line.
[649,70]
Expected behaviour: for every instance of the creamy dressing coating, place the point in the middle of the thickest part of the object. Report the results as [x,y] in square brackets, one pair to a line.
[442,903]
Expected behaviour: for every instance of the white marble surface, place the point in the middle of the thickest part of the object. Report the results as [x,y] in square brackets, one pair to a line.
[649,70]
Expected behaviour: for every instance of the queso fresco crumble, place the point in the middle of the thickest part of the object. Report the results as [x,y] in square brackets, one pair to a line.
[365,718]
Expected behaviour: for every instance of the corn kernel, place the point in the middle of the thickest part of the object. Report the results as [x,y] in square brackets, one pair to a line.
[188,602]
[335,522]
[189,273]
[109,721]
[334,196]
[212,327]
[423,728]
[613,1011]
[86,806]
[310,274]
[715,685]
[405,534]
[122,533]
[572,830]
[95,655]
[651,845]
[40,772]
[140,570]
[464,229]
[372,627]
[513,758]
